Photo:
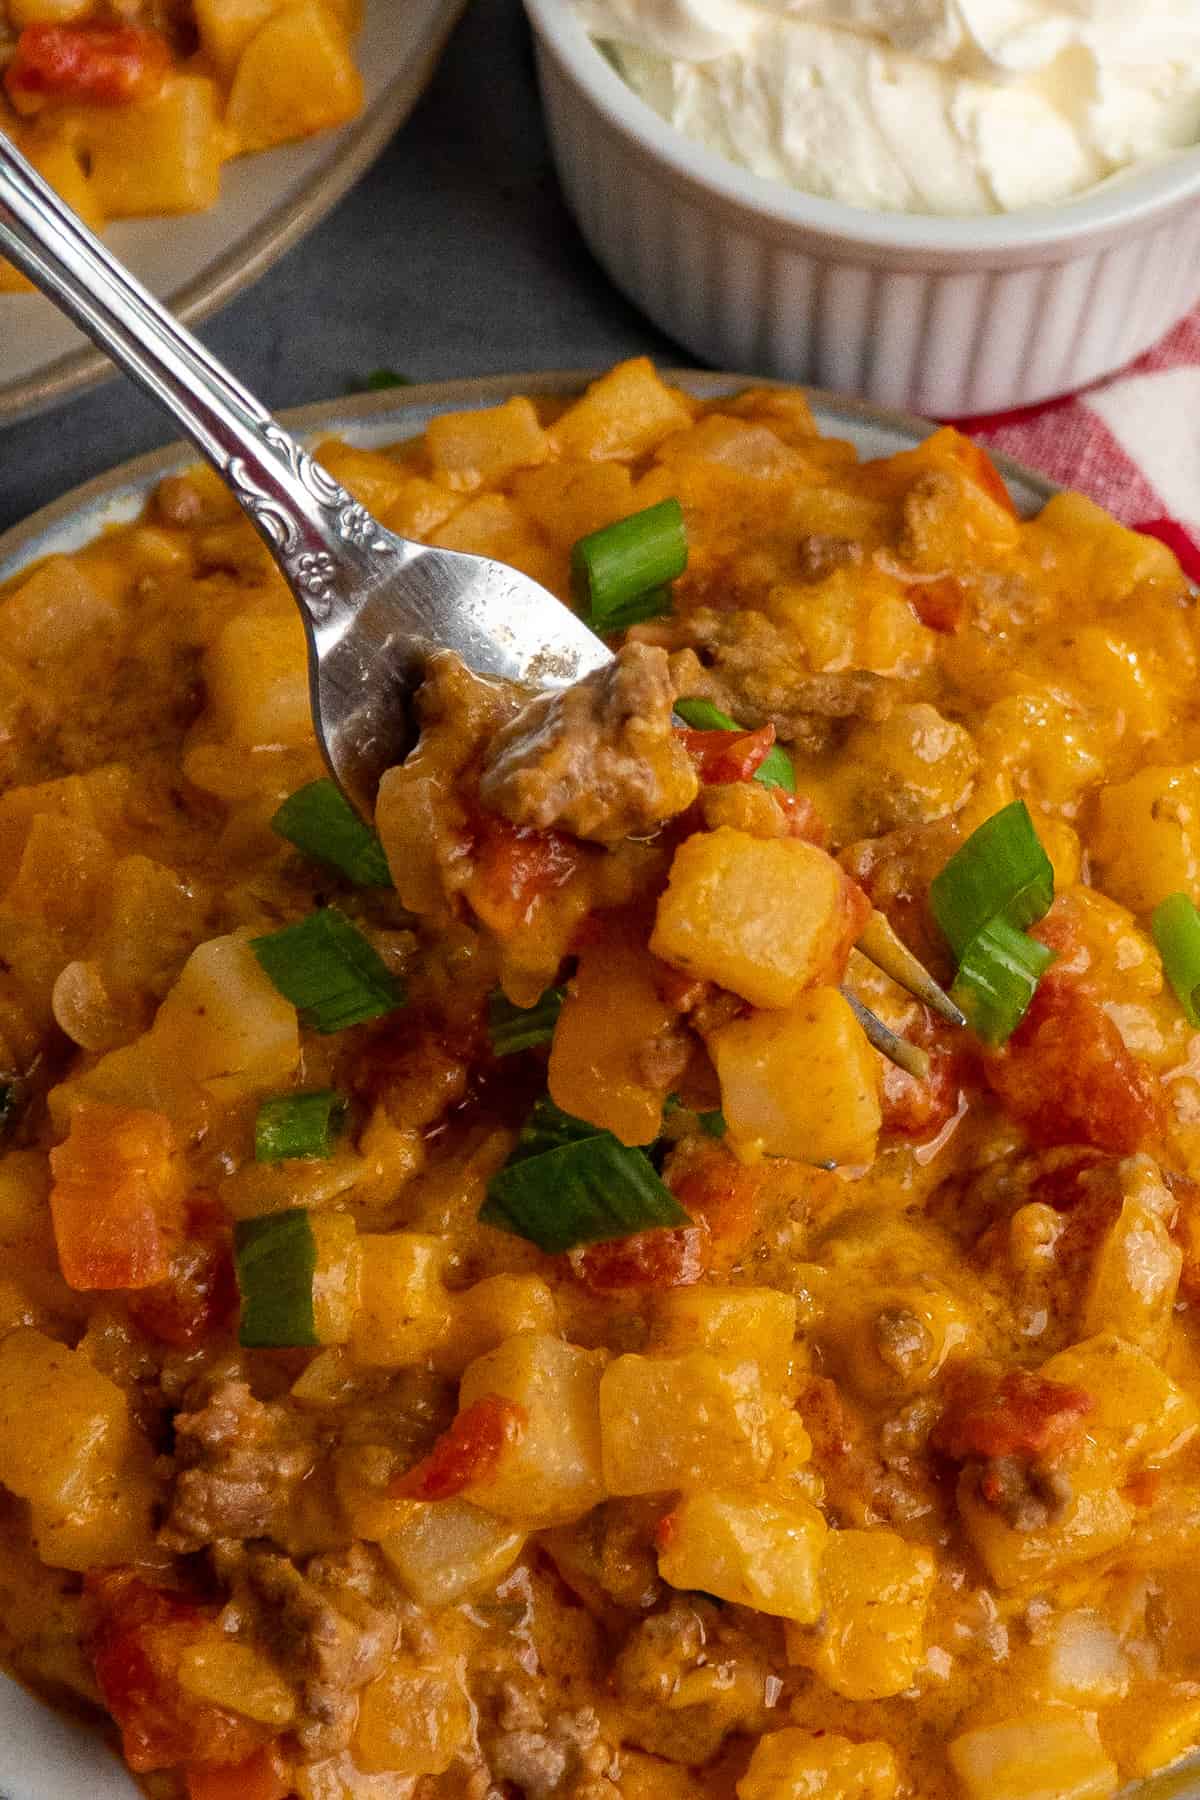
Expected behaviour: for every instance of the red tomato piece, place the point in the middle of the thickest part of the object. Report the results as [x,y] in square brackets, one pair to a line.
[1015,1414]
[94,65]
[115,1197]
[200,1292]
[722,756]
[515,867]
[983,472]
[804,821]
[722,1196]
[920,1109]
[469,1451]
[263,1776]
[939,604]
[666,1257]
[1068,1077]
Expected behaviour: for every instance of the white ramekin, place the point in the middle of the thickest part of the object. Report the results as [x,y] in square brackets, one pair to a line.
[949,316]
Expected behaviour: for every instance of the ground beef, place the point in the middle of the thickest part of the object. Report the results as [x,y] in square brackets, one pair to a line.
[237,1461]
[562,1757]
[600,760]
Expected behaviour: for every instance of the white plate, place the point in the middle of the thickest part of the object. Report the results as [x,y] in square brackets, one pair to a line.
[200,261]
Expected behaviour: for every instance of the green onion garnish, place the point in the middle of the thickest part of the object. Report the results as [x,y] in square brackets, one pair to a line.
[321,822]
[997,978]
[1001,872]
[1176,927]
[379,380]
[276,1259]
[567,1183]
[512,1028]
[714,1123]
[775,770]
[328,970]
[298,1125]
[626,562]
[657,604]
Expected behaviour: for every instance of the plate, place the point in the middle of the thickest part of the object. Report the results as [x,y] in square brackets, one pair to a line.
[199,261]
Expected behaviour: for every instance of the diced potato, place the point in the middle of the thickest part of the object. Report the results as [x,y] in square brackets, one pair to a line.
[1121,681]
[907,769]
[57,162]
[469,450]
[225,1023]
[444,1551]
[295,77]
[552,1475]
[622,415]
[570,500]
[1106,560]
[46,12]
[235,1675]
[490,525]
[732,1322]
[490,1311]
[1085,1664]
[420,507]
[227,26]
[1139,1415]
[682,1422]
[64,871]
[55,611]
[1047,1754]
[794,1764]
[746,1548]
[1157,1724]
[832,1115]
[342,1778]
[1096,1520]
[156,156]
[612,1010]
[337,1278]
[765,917]
[1146,841]
[870,1639]
[404,1310]
[412,1720]
[257,677]
[1134,1277]
[373,478]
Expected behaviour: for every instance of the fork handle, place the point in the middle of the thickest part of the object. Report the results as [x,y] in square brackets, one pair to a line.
[319,535]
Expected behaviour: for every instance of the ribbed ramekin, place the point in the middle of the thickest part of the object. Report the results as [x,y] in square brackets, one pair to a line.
[949,316]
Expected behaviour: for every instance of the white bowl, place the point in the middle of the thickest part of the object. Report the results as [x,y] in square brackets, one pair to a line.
[949,316]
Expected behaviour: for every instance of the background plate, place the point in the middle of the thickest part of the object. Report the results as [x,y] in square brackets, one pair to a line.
[46,1757]
[200,261]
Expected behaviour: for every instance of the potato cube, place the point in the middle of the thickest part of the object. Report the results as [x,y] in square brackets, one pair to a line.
[63,874]
[412,1720]
[767,917]
[492,1310]
[682,1422]
[1139,1414]
[469,450]
[622,415]
[57,162]
[157,156]
[567,501]
[829,1114]
[404,1310]
[227,1673]
[372,477]
[225,27]
[598,1068]
[1134,1278]
[257,676]
[1146,841]
[225,1023]
[295,77]
[552,1475]
[337,1278]
[1154,1726]
[1096,1520]
[55,611]
[870,1640]
[444,1551]
[746,1548]
[732,1322]
[420,507]
[1046,1754]
[801,1765]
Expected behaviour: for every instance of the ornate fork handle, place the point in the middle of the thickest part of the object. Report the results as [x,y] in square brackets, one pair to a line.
[318,533]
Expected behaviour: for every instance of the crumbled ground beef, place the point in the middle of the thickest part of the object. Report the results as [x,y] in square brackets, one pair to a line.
[238,1462]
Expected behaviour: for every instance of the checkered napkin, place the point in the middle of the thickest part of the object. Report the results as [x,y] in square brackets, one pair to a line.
[1132,443]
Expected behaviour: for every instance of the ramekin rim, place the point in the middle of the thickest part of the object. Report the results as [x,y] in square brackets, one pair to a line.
[1127,199]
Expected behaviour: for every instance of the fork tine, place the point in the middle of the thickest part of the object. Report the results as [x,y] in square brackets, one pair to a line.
[898,1050]
[880,945]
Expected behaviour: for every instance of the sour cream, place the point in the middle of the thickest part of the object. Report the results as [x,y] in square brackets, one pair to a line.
[936,106]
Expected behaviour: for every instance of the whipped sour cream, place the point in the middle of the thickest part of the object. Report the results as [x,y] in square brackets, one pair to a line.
[934,106]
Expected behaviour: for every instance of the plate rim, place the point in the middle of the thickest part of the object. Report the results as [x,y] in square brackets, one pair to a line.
[237,268]
[19,544]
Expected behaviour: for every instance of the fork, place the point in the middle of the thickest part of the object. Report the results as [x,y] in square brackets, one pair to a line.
[374,605]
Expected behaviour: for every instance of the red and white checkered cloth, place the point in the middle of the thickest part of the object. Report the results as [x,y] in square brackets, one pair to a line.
[1132,443]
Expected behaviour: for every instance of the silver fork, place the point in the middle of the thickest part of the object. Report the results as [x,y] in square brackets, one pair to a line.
[374,605]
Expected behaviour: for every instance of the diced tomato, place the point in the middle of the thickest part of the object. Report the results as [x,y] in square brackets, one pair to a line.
[983,472]
[721,1195]
[200,1291]
[93,65]
[468,1452]
[115,1198]
[804,821]
[940,604]
[138,1636]
[667,1257]
[722,756]
[920,1109]
[1068,1077]
[1014,1414]
[515,867]
[263,1776]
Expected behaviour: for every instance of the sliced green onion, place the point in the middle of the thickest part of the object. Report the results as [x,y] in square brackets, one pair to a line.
[379,380]
[1176,927]
[997,978]
[775,770]
[512,1028]
[567,1183]
[625,561]
[321,822]
[714,1123]
[276,1259]
[328,970]
[656,604]
[1001,872]
[298,1125]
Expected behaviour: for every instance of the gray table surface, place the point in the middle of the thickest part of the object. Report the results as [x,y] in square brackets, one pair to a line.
[454,256]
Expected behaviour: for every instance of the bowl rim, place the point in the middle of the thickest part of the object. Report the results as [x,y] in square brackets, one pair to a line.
[1137,197]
